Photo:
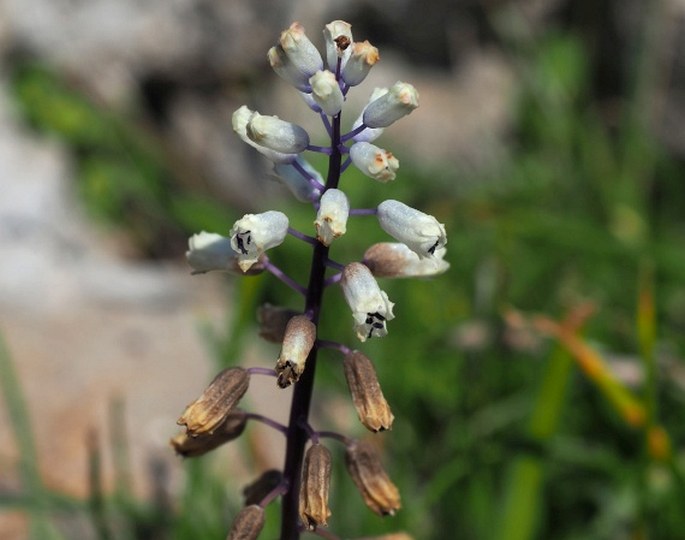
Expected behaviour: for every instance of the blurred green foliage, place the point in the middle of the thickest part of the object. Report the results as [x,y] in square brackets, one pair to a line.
[496,437]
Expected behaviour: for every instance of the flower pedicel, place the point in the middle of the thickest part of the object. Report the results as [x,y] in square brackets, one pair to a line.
[214,419]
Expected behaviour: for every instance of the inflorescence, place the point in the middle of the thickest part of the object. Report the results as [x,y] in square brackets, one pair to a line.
[214,418]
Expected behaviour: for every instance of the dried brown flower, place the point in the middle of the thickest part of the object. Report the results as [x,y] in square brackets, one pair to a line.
[262,486]
[377,490]
[205,414]
[316,480]
[247,524]
[231,428]
[300,335]
[367,396]
[272,321]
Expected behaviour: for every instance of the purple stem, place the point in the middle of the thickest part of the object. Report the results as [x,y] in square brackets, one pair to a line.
[322,149]
[285,278]
[313,181]
[333,279]
[326,122]
[333,264]
[280,489]
[356,131]
[327,344]
[323,533]
[268,421]
[363,211]
[347,163]
[337,436]
[302,396]
[301,236]
[262,371]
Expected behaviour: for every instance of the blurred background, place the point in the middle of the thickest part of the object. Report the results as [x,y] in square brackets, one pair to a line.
[539,385]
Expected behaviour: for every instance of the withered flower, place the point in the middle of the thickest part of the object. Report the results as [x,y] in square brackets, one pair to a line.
[231,428]
[316,480]
[247,524]
[273,320]
[205,414]
[255,492]
[377,490]
[367,396]
[300,334]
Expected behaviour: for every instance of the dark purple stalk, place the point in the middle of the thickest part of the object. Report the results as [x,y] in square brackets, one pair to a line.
[297,435]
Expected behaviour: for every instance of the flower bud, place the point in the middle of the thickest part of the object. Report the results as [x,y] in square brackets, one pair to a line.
[316,480]
[276,134]
[338,38]
[421,233]
[370,306]
[300,335]
[401,99]
[210,251]
[369,134]
[299,186]
[392,259]
[300,50]
[374,162]
[273,320]
[365,469]
[205,414]
[240,119]
[326,92]
[363,57]
[331,218]
[287,70]
[247,524]
[231,428]
[367,396]
[255,492]
[255,233]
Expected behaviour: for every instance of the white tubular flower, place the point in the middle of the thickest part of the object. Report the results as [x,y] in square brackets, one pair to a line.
[338,37]
[276,134]
[369,134]
[401,99]
[298,340]
[301,52]
[395,260]
[285,69]
[301,188]
[209,251]
[363,57]
[421,233]
[374,162]
[370,306]
[331,219]
[255,233]
[240,119]
[326,92]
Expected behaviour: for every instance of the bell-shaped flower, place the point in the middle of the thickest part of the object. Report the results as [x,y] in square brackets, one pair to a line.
[370,306]
[374,162]
[326,92]
[395,260]
[211,251]
[255,233]
[421,233]
[301,52]
[368,134]
[401,99]
[276,134]
[287,70]
[240,119]
[363,57]
[331,218]
[302,188]
[338,38]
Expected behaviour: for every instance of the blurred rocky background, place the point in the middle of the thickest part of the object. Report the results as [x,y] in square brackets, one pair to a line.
[116,143]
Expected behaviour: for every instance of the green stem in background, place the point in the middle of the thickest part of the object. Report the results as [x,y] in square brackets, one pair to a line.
[523,497]
[41,528]
[646,335]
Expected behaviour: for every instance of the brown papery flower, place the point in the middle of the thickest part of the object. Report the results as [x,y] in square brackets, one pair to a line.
[316,480]
[247,524]
[376,488]
[367,396]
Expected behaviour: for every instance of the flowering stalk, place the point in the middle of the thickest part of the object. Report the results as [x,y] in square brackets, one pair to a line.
[304,482]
